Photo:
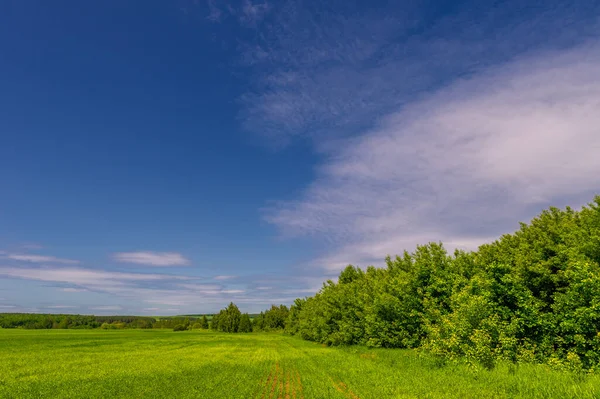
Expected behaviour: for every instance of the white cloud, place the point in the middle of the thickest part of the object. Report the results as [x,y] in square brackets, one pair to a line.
[59,307]
[94,280]
[326,72]
[134,292]
[41,259]
[7,306]
[462,165]
[71,289]
[224,277]
[31,247]
[106,307]
[233,291]
[152,258]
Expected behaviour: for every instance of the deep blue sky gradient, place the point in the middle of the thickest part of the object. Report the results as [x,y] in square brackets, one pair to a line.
[132,126]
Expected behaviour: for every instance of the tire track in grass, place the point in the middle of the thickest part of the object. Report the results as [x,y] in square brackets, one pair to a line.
[273,387]
[266,383]
[320,376]
[287,385]
[281,383]
[298,387]
[343,388]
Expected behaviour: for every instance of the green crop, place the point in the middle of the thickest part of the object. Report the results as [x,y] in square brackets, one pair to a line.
[208,364]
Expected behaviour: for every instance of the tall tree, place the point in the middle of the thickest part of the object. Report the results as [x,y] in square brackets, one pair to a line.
[203,322]
[245,324]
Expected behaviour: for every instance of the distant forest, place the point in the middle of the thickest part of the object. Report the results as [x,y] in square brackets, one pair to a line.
[61,321]
[531,296]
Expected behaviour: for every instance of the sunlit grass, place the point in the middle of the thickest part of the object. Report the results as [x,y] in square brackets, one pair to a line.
[202,364]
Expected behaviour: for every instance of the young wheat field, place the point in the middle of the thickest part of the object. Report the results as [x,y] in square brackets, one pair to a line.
[204,364]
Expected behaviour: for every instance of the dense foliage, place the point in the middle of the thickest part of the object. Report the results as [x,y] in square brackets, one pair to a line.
[47,321]
[68,321]
[231,320]
[271,319]
[530,296]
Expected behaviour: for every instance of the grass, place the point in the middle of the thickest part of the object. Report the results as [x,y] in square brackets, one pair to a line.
[202,364]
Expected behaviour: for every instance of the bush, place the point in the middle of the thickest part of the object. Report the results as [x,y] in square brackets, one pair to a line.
[529,296]
[179,327]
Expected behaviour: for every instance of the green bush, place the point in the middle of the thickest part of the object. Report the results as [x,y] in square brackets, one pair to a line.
[530,296]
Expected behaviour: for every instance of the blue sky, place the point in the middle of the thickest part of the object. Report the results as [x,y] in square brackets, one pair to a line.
[166,157]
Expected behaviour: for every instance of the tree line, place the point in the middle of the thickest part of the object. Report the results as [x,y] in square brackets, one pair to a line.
[531,296]
[229,319]
[69,321]
[232,320]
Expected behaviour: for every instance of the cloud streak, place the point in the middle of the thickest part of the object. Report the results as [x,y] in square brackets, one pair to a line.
[107,308]
[100,280]
[224,277]
[41,259]
[329,72]
[462,165]
[70,289]
[134,292]
[152,258]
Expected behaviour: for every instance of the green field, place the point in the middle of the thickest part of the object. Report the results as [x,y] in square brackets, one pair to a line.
[192,364]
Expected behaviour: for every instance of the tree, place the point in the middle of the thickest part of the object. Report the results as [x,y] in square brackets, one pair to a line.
[245,324]
[529,296]
[258,324]
[275,318]
[203,322]
[228,319]
[214,323]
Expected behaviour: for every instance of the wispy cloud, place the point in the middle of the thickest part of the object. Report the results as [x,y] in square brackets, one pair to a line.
[201,289]
[95,280]
[152,258]
[215,12]
[224,277]
[251,12]
[106,307]
[246,12]
[326,72]
[134,292]
[59,307]
[41,259]
[31,247]
[233,291]
[71,289]
[462,165]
